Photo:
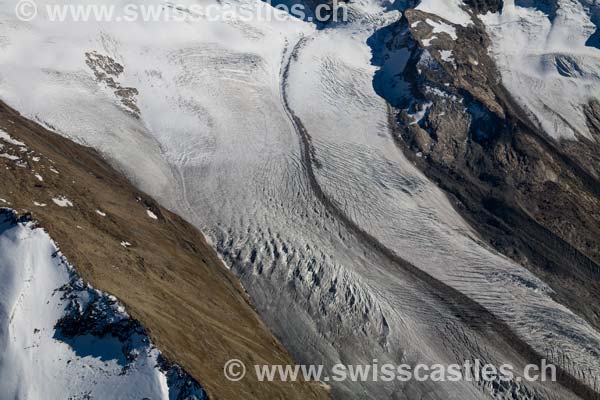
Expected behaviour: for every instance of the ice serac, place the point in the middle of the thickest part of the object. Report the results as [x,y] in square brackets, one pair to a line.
[62,339]
[270,137]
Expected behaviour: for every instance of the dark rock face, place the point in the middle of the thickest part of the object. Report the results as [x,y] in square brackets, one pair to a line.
[548,7]
[180,383]
[483,6]
[89,312]
[531,198]
[592,113]
[106,71]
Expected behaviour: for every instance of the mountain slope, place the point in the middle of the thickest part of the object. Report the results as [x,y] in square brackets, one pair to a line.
[481,146]
[271,137]
[530,189]
[61,338]
[122,242]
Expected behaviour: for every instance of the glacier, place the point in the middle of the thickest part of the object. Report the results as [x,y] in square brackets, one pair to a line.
[269,137]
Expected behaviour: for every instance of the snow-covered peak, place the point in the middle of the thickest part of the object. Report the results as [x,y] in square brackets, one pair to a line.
[548,62]
[60,338]
[450,10]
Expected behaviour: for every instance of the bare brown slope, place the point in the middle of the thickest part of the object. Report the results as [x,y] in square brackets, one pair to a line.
[169,278]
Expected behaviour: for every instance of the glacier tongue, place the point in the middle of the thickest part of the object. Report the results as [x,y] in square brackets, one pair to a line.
[60,338]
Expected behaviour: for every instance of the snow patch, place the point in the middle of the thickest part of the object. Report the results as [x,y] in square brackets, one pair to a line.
[450,10]
[9,156]
[419,115]
[427,42]
[62,201]
[447,56]
[9,139]
[151,214]
[442,27]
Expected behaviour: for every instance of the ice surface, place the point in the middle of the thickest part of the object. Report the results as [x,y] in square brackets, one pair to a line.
[371,181]
[229,115]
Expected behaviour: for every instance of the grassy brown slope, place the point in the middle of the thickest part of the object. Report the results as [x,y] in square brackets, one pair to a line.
[169,278]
